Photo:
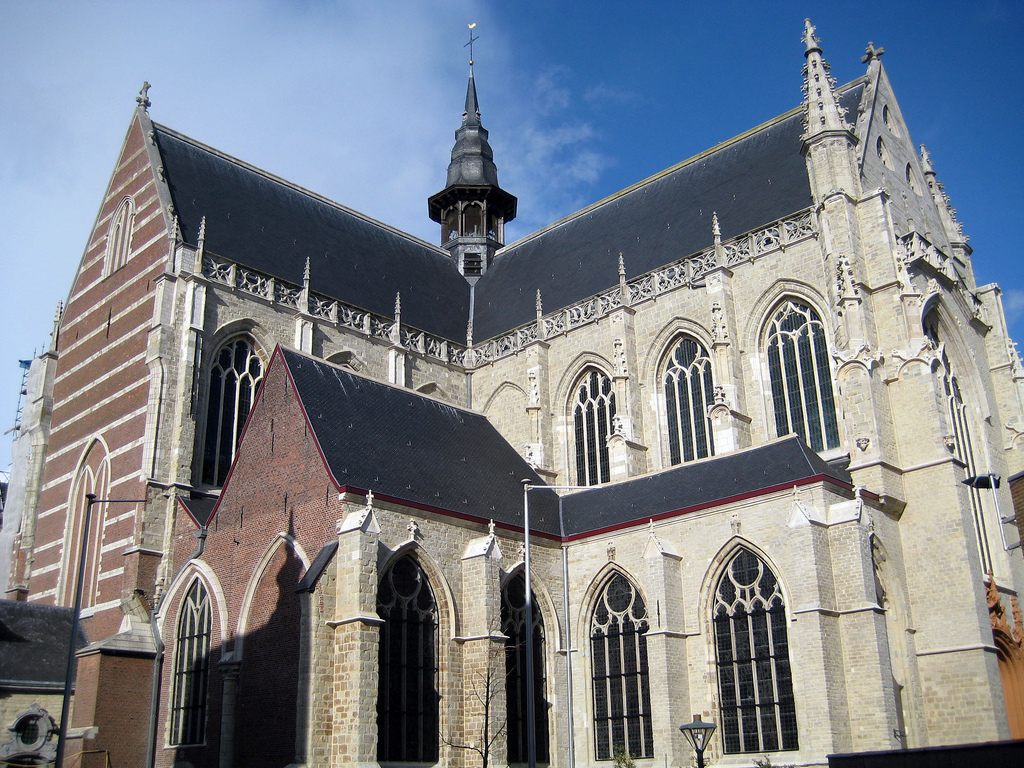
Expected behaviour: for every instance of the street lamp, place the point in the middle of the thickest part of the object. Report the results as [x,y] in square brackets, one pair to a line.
[698,733]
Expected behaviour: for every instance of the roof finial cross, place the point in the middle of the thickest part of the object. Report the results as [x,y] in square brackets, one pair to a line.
[871,53]
[143,98]
[472,40]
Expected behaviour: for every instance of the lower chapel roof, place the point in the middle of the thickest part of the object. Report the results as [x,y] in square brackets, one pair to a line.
[416,450]
[267,224]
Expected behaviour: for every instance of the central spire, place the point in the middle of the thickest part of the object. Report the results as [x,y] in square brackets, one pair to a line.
[472,208]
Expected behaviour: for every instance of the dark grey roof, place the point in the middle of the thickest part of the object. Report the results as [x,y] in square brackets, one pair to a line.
[34,645]
[269,225]
[751,181]
[403,445]
[199,508]
[414,449]
[697,485]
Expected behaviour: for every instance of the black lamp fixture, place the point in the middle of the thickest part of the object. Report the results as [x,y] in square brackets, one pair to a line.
[698,733]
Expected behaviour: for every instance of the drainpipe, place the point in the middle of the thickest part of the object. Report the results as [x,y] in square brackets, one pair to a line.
[158,662]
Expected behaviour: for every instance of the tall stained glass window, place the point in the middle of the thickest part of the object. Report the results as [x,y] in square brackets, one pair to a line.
[622,694]
[408,723]
[801,377]
[755,681]
[235,376]
[191,667]
[513,626]
[592,413]
[688,395]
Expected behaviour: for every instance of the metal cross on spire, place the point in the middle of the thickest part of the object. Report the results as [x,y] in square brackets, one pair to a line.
[472,40]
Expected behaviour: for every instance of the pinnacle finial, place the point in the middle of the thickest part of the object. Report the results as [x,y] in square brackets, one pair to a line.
[622,266]
[716,230]
[143,98]
[871,53]
[197,264]
[809,39]
[398,304]
[823,110]
[305,275]
[57,317]
[926,160]
[540,306]
[472,39]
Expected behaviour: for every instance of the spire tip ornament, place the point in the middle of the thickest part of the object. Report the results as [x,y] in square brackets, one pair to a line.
[143,98]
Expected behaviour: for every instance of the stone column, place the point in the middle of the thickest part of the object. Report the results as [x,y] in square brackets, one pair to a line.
[356,640]
[482,655]
[229,669]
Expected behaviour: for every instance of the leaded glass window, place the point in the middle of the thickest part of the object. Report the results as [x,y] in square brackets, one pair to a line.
[622,695]
[513,625]
[592,412]
[801,377]
[191,667]
[235,376]
[688,395]
[407,697]
[755,681]
[963,448]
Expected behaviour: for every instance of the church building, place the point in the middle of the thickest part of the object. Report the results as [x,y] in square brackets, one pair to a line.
[723,443]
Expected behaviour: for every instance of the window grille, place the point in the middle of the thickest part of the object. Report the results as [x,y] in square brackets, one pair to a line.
[755,681]
[801,377]
[407,698]
[688,395]
[191,667]
[513,626]
[235,376]
[622,695]
[593,412]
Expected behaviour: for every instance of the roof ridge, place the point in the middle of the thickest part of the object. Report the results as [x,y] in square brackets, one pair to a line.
[297,188]
[374,380]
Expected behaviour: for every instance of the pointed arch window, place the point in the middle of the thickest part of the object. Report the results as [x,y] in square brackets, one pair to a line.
[963,446]
[407,698]
[755,681]
[119,236]
[688,396]
[513,626]
[622,694]
[191,667]
[92,476]
[235,376]
[801,377]
[593,411]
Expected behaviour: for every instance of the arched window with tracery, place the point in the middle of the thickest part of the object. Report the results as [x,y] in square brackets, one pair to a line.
[191,667]
[92,477]
[801,377]
[593,410]
[235,375]
[622,694]
[963,446]
[513,626]
[688,395]
[755,681]
[407,698]
[119,236]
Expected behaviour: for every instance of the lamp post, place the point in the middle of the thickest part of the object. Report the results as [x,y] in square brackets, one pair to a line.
[69,678]
[698,733]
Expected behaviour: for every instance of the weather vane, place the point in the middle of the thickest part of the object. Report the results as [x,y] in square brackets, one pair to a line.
[470,43]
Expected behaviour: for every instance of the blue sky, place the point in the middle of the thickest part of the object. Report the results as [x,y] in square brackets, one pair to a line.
[359,101]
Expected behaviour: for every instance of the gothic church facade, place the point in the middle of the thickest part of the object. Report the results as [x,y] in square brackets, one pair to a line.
[756,382]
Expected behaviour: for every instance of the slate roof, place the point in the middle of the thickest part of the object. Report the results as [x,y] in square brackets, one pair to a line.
[697,485]
[34,645]
[414,449]
[750,181]
[270,225]
[398,443]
